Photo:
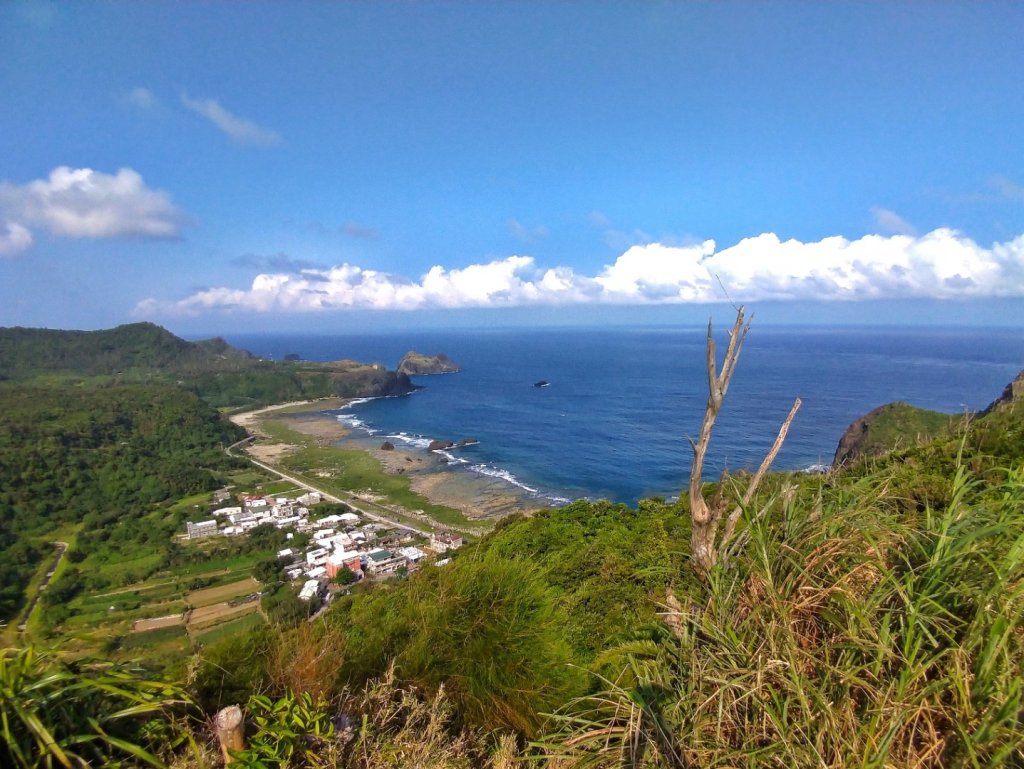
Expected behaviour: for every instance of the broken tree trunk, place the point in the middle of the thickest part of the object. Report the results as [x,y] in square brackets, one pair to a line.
[706,518]
[230,731]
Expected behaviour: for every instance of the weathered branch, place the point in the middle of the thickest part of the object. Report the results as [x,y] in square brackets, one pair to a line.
[705,519]
[748,496]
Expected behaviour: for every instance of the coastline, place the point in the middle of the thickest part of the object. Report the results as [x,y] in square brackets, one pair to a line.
[476,496]
[481,499]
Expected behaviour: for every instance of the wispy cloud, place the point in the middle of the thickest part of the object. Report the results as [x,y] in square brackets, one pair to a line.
[526,234]
[274,263]
[1007,189]
[619,239]
[940,264]
[142,98]
[890,222]
[234,127]
[354,230]
[83,203]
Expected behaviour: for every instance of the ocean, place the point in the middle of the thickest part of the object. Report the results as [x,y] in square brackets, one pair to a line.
[613,422]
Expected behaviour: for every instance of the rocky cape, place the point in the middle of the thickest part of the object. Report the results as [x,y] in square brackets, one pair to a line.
[418,364]
[900,425]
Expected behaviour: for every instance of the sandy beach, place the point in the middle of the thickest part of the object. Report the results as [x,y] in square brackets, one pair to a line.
[299,418]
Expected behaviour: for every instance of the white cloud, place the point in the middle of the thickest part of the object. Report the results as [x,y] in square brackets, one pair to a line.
[13,238]
[237,128]
[657,272]
[83,203]
[142,98]
[892,223]
[941,264]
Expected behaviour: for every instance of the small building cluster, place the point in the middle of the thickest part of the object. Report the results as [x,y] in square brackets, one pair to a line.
[366,549]
[337,542]
[282,512]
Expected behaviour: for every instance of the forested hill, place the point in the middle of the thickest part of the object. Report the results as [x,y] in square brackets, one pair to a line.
[136,347]
[93,458]
[219,373]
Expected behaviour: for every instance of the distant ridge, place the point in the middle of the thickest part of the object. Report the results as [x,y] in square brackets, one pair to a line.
[27,352]
[219,373]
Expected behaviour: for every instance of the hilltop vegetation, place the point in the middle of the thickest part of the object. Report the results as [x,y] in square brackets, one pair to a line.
[870,616]
[98,427]
[889,427]
[222,375]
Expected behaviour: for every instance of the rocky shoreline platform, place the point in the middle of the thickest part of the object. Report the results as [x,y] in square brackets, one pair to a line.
[477,496]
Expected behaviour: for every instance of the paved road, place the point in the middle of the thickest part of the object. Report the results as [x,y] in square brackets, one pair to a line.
[352,501]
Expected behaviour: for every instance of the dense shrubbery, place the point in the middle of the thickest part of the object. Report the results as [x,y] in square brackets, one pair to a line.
[846,636]
[85,713]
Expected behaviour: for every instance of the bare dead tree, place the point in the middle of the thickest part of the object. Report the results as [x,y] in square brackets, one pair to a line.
[707,517]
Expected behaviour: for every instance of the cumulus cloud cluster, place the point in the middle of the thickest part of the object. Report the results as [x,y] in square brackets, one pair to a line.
[83,203]
[940,264]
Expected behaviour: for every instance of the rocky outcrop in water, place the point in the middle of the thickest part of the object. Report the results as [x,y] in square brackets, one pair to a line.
[417,364]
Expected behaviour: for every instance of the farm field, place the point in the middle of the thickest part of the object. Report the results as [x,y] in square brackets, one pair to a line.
[144,591]
[225,629]
[212,595]
[208,616]
[155,623]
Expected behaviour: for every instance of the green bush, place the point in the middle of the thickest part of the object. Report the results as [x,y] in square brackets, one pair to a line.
[486,628]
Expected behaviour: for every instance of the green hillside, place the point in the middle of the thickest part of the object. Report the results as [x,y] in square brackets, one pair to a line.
[870,616]
[96,458]
[222,375]
[892,426]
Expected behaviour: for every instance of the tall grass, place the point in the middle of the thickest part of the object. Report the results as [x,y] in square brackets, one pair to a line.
[55,713]
[840,636]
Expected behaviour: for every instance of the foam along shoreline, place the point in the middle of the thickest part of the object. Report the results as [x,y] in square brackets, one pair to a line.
[475,494]
[444,482]
[530,498]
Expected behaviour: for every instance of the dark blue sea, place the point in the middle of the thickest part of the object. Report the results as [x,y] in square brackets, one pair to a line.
[621,402]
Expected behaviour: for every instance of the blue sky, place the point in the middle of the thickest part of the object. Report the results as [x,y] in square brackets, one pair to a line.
[312,166]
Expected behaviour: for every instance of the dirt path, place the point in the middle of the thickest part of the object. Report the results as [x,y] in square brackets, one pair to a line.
[62,548]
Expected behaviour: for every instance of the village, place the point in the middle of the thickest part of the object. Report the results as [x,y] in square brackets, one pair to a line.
[340,547]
